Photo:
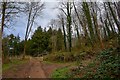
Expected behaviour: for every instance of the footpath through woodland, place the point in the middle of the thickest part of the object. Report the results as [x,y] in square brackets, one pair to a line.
[32,69]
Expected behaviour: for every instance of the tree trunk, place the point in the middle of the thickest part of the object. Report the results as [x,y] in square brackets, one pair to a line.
[26,35]
[118,11]
[107,28]
[24,52]
[64,34]
[94,15]
[89,21]
[77,15]
[114,17]
[78,35]
[3,15]
[69,25]
[2,26]
[107,15]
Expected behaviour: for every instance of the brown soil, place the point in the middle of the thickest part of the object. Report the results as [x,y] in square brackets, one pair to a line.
[32,69]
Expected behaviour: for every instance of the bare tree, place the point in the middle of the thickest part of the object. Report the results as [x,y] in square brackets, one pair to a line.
[114,15]
[94,14]
[61,17]
[33,10]
[68,6]
[8,10]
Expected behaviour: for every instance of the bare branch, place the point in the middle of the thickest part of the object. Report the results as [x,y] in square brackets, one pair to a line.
[63,11]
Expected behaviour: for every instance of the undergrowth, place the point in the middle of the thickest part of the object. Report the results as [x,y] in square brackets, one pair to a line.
[60,73]
[105,65]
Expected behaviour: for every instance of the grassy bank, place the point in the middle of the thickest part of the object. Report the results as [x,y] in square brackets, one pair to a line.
[104,65]
[12,63]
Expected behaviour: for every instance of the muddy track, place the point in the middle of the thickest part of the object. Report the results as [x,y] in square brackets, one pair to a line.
[32,69]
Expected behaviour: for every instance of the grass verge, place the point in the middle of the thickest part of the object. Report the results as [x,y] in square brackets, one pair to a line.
[60,73]
[14,62]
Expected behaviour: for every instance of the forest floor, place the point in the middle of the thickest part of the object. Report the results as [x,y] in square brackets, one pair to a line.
[34,68]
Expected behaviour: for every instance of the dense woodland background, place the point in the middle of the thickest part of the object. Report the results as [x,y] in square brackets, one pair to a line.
[81,27]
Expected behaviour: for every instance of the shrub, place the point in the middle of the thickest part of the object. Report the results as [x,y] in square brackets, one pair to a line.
[109,64]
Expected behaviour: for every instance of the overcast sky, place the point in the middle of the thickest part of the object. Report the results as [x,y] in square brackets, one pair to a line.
[48,13]
[19,26]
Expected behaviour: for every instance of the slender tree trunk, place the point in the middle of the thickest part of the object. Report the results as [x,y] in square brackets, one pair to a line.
[104,30]
[3,15]
[107,15]
[80,22]
[77,15]
[105,33]
[89,21]
[64,34]
[107,28]
[26,35]
[118,11]
[2,27]
[24,51]
[94,15]
[78,35]
[97,31]
[76,28]
[114,17]
[69,25]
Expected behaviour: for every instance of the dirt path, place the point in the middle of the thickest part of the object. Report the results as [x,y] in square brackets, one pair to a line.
[32,69]
[36,70]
